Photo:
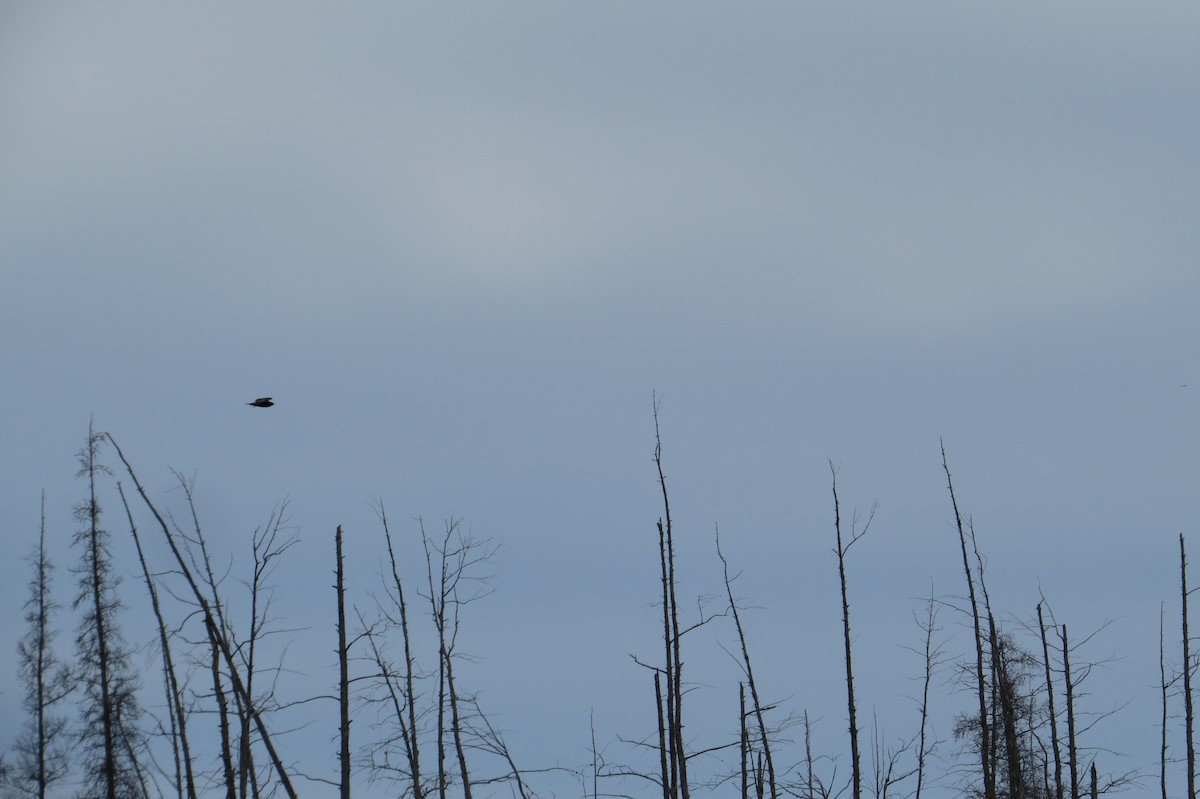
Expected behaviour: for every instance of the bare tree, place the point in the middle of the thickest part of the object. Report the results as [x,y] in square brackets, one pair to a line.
[213,628]
[451,566]
[177,715]
[1165,685]
[811,785]
[743,742]
[887,769]
[748,669]
[1011,708]
[674,778]
[1016,716]
[1081,722]
[486,738]
[933,658]
[1054,744]
[267,545]
[343,652]
[109,736]
[228,772]
[668,678]
[985,743]
[1189,715]
[595,756]
[237,703]
[196,547]
[843,546]
[41,751]
[399,686]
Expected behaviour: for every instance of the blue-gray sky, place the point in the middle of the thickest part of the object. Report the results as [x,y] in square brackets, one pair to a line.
[462,245]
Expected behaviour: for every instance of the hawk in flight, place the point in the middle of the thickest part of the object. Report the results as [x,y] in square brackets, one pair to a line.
[262,402]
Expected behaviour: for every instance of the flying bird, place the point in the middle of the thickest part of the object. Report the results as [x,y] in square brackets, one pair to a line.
[262,402]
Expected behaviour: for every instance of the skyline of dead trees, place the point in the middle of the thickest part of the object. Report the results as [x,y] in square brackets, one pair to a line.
[1016,735]
[404,718]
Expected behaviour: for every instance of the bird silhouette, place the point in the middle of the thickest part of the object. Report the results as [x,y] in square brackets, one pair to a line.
[262,402]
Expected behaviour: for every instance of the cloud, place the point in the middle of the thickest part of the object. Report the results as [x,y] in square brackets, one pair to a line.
[939,180]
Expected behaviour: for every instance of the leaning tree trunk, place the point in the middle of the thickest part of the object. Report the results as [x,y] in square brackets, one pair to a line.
[855,762]
[985,748]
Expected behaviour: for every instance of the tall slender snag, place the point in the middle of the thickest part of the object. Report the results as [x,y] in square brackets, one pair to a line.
[42,755]
[1072,750]
[408,730]
[843,547]
[667,787]
[227,770]
[1162,677]
[1188,714]
[931,655]
[744,741]
[748,668]
[456,721]
[343,653]
[677,778]
[38,656]
[437,600]
[1054,745]
[185,780]
[985,744]
[595,755]
[667,709]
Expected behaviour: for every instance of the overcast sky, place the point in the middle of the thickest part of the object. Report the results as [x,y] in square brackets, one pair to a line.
[463,245]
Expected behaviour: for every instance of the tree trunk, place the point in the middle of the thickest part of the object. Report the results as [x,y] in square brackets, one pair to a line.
[409,730]
[749,669]
[222,716]
[1072,751]
[676,778]
[744,746]
[177,715]
[855,762]
[456,728]
[343,673]
[929,626]
[1162,676]
[1189,716]
[1054,746]
[985,747]
[662,734]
